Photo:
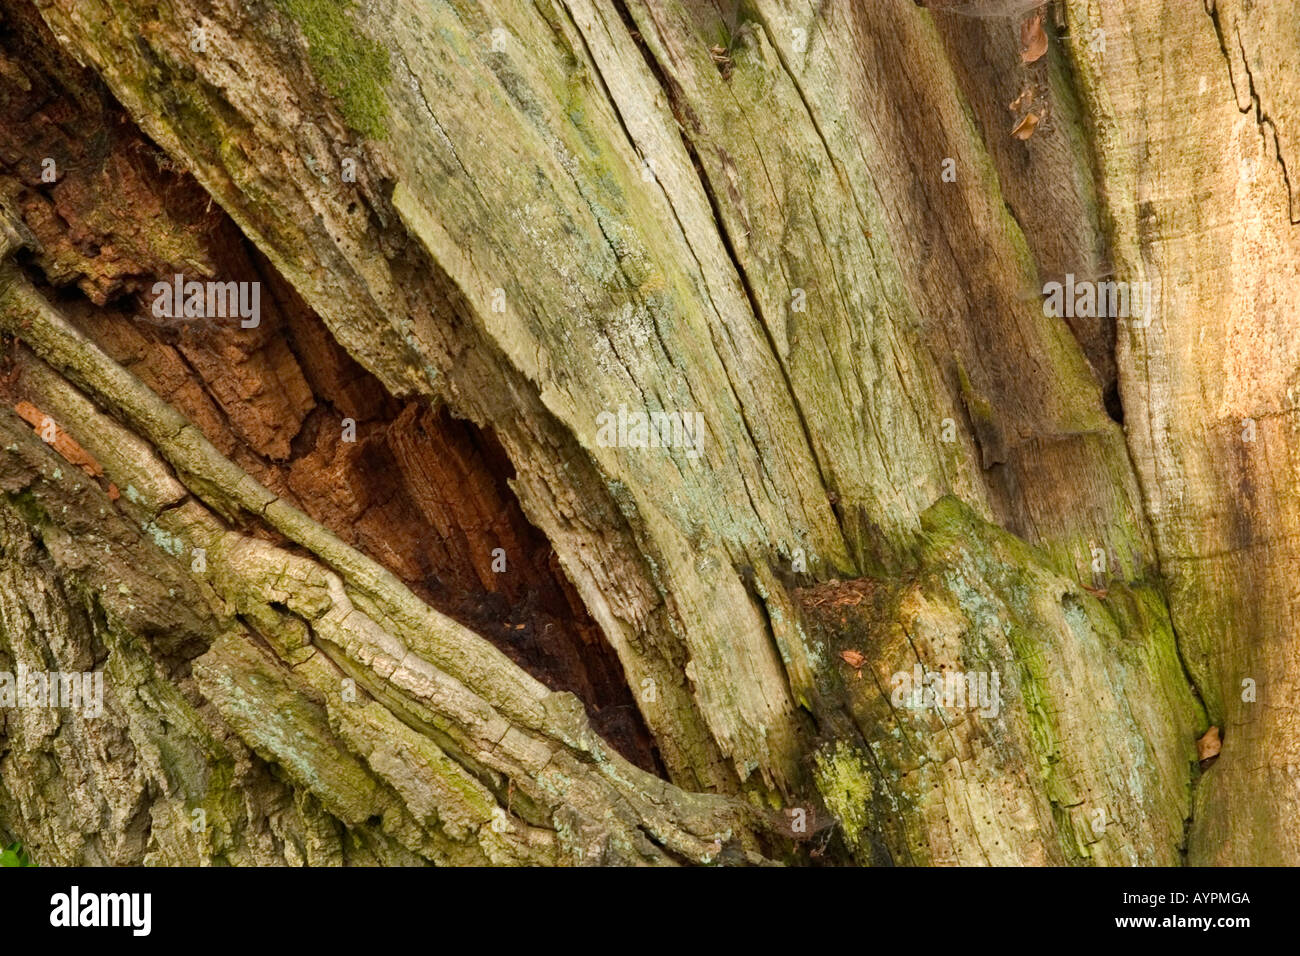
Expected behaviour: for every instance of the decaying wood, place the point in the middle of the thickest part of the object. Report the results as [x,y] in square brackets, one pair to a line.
[482,226]
[437,687]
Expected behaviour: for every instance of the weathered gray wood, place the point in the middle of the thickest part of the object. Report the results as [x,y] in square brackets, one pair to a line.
[568,207]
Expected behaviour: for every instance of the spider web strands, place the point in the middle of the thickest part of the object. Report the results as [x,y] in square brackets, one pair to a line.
[985,9]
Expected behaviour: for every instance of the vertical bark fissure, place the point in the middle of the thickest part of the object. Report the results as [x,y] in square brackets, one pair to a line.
[656,71]
[1123,370]
[1262,119]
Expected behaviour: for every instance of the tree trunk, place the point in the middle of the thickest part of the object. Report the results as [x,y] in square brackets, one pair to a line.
[919,570]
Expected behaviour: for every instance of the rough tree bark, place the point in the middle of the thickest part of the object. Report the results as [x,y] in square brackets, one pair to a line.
[478,226]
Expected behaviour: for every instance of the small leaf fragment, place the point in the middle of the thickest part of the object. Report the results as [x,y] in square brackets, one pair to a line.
[1209,745]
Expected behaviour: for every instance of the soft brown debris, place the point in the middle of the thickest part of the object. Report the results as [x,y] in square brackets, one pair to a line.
[63,443]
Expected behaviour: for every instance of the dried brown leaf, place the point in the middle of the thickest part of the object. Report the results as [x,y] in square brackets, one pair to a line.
[1025,128]
[1033,40]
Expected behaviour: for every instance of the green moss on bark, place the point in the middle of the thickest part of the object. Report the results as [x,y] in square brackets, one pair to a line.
[351,66]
